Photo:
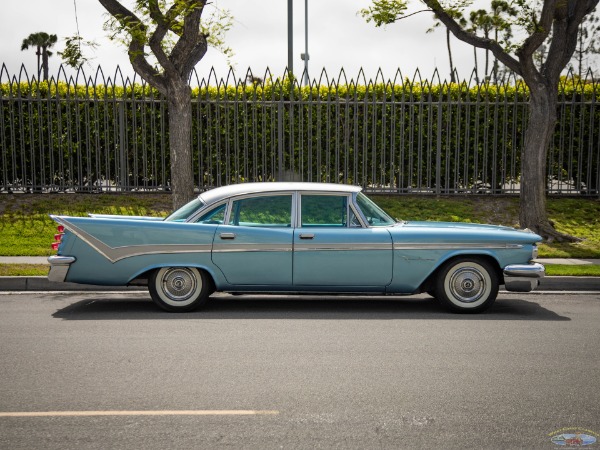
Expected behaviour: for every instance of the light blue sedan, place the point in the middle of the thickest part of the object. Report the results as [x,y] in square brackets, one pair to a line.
[294,238]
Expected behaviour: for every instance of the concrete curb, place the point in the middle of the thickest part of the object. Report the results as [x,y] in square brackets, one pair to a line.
[42,284]
[569,284]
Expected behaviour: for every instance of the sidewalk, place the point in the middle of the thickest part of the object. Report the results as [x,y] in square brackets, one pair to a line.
[42,284]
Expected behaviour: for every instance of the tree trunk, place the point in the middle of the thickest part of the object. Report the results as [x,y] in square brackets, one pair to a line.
[538,139]
[180,145]
[45,62]
[39,53]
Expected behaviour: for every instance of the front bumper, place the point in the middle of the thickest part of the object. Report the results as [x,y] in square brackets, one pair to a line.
[59,266]
[523,277]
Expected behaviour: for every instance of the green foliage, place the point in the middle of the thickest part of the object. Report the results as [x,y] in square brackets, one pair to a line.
[215,25]
[73,55]
[41,40]
[375,134]
[384,12]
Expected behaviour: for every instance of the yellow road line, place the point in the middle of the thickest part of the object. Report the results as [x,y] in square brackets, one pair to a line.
[196,412]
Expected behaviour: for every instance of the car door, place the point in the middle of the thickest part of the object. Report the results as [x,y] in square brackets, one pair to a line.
[332,248]
[254,247]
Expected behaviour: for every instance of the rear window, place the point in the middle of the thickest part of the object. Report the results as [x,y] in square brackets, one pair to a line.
[186,211]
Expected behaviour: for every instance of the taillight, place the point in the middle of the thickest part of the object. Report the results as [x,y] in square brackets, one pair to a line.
[58,237]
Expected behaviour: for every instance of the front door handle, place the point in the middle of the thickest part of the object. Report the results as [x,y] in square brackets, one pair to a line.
[227,235]
[307,236]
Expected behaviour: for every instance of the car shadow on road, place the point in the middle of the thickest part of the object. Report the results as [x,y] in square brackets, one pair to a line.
[302,307]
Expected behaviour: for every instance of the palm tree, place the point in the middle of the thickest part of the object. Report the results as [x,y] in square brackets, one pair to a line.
[587,43]
[457,15]
[501,8]
[481,21]
[42,41]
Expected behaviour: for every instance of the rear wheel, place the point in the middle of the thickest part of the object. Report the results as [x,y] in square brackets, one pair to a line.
[467,285]
[179,289]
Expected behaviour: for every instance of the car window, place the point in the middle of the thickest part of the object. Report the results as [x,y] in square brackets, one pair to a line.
[186,211]
[373,213]
[214,216]
[354,220]
[263,211]
[324,210]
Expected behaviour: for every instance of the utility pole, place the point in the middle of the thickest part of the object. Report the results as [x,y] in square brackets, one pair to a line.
[304,55]
[290,17]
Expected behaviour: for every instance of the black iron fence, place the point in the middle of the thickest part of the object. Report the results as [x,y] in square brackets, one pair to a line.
[93,133]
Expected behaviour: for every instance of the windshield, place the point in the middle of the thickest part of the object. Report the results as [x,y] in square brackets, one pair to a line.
[186,211]
[373,213]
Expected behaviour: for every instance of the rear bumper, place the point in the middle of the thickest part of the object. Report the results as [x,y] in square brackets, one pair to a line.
[523,277]
[59,266]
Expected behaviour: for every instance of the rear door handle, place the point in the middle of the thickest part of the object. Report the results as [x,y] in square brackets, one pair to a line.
[227,235]
[307,236]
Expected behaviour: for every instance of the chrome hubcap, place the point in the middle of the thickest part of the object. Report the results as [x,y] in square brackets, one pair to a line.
[179,284]
[467,284]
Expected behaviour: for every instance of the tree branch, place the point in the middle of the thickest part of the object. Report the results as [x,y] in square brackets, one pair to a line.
[192,44]
[472,38]
[540,32]
[155,41]
[415,13]
[136,51]
[567,19]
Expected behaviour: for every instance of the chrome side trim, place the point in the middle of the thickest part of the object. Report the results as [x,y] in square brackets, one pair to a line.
[455,246]
[227,248]
[304,247]
[119,253]
[114,254]
[59,266]
[523,277]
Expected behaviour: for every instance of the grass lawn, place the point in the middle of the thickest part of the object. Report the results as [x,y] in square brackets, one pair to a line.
[26,229]
[23,270]
[587,270]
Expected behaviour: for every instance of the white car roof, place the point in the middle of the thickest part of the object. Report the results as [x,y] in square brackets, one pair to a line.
[217,194]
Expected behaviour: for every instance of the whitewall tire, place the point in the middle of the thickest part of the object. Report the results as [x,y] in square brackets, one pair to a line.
[467,285]
[179,289]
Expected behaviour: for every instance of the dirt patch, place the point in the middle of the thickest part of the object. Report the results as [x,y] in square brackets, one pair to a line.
[499,210]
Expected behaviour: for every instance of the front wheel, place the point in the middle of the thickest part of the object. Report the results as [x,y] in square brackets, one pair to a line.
[179,289]
[467,285]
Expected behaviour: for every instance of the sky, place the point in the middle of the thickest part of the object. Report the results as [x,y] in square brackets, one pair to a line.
[337,38]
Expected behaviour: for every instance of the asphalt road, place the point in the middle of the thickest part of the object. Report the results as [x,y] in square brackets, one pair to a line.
[103,370]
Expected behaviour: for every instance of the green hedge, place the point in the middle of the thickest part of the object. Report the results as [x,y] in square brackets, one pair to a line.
[404,137]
